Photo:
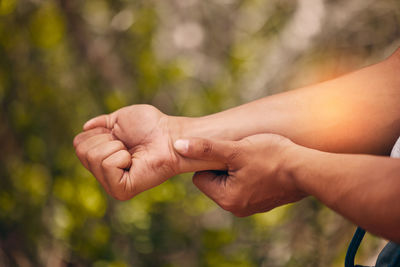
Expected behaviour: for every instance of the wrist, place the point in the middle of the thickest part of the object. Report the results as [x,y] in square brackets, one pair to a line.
[205,127]
[297,160]
[185,127]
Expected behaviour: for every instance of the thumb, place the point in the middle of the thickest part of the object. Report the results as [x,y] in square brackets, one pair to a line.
[105,121]
[213,150]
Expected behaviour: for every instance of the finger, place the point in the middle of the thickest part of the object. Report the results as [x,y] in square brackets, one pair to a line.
[198,148]
[87,134]
[211,183]
[105,121]
[97,154]
[117,176]
[83,148]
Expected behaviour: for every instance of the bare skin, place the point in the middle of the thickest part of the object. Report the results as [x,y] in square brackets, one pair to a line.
[131,150]
[266,171]
[146,158]
[255,180]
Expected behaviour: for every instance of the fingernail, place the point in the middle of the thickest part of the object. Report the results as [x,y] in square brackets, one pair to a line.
[182,146]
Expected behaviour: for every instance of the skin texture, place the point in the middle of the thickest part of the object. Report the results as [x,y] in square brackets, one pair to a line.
[266,171]
[131,149]
[255,179]
[355,113]
[143,156]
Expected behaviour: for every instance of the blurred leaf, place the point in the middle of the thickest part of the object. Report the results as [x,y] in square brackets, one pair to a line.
[63,62]
[47,26]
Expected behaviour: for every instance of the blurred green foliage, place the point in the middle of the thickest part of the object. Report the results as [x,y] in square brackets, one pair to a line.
[62,62]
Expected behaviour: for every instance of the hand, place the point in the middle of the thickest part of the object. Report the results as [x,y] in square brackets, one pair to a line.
[256,178]
[147,136]
[106,158]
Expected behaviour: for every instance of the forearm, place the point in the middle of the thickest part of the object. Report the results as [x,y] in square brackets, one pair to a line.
[364,189]
[356,113]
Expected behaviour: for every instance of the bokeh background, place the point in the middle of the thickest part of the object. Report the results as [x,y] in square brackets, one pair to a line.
[62,62]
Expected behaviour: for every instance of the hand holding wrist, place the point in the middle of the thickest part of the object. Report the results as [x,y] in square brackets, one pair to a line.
[257,178]
[181,127]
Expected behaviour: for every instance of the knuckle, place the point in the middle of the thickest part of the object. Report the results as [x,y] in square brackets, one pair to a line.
[80,151]
[234,153]
[207,147]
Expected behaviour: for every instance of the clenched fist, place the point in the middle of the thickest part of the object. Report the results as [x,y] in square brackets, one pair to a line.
[131,150]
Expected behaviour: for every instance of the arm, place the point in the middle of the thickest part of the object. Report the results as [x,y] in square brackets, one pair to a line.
[365,189]
[355,113]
